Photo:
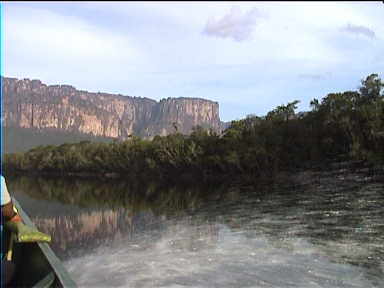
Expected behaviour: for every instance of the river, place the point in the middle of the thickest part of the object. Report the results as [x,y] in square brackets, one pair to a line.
[319,229]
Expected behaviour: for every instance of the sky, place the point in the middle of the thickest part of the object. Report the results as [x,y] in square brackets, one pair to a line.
[248,56]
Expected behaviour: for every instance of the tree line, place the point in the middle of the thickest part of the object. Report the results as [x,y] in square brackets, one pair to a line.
[347,125]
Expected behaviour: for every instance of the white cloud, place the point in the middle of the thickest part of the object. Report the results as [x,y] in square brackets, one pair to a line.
[235,24]
[359,30]
[49,41]
[315,76]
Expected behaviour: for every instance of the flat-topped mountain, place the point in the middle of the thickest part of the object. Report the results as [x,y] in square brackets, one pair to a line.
[35,105]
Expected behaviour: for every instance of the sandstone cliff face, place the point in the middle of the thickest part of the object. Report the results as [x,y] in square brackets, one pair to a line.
[32,104]
[182,114]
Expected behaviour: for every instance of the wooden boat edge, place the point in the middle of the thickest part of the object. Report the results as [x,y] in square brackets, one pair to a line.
[59,269]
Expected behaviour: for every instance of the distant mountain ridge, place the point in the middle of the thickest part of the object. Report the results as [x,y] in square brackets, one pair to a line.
[32,104]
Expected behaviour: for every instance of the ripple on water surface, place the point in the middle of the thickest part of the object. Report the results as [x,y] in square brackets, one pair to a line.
[212,255]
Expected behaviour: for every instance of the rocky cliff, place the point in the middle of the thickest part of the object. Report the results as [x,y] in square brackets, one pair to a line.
[32,104]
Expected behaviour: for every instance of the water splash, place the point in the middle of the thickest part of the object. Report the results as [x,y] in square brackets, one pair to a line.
[211,255]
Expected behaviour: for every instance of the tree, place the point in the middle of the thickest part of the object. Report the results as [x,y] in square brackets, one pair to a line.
[371,87]
[284,112]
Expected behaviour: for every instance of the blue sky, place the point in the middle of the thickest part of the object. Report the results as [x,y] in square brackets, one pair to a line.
[248,56]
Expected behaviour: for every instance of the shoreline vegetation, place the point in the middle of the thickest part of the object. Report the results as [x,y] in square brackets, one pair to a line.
[344,127]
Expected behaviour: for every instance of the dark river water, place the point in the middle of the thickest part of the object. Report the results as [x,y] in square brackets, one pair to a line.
[317,229]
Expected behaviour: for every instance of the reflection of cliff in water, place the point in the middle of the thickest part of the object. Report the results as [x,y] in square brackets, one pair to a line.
[84,213]
[80,233]
[90,229]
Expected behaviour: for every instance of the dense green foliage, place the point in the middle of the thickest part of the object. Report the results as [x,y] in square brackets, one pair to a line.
[348,125]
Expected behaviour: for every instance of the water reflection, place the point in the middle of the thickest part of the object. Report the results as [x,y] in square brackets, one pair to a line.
[85,193]
[81,213]
[85,230]
[327,230]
